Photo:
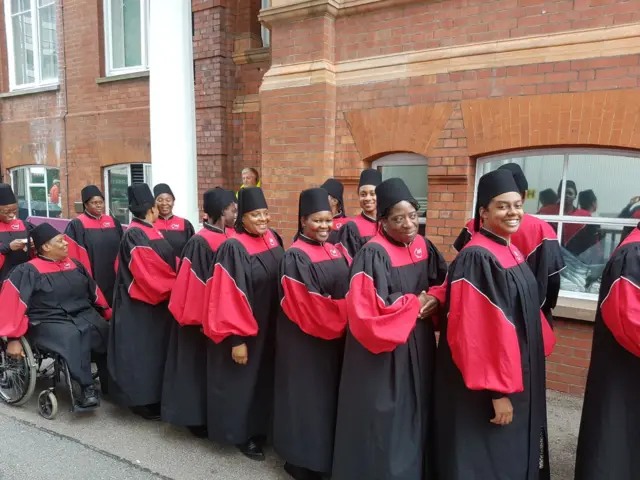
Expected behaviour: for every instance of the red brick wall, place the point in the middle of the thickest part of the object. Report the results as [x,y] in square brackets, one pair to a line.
[105,124]
[568,364]
[445,23]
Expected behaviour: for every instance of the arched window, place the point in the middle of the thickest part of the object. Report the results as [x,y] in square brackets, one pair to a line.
[38,191]
[410,167]
[116,180]
[591,198]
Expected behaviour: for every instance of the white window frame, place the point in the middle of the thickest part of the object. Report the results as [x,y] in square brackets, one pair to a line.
[106,170]
[404,159]
[561,219]
[29,184]
[265,33]
[110,70]
[35,32]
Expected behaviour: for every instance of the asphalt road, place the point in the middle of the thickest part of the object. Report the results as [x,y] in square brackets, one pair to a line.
[113,444]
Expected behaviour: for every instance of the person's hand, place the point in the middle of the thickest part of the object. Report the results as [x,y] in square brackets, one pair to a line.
[422,298]
[14,349]
[240,354]
[634,200]
[430,307]
[17,245]
[504,411]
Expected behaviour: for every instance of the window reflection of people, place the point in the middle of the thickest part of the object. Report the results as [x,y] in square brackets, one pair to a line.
[570,194]
[547,198]
[632,210]
[579,238]
[54,193]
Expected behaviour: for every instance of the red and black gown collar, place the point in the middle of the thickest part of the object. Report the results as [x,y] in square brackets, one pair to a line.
[368,218]
[310,241]
[142,222]
[166,219]
[213,228]
[492,236]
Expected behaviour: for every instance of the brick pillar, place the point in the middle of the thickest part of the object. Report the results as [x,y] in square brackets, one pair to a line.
[214,82]
[298,111]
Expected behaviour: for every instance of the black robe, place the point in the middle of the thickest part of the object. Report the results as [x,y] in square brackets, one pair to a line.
[386,391]
[60,308]
[355,233]
[243,308]
[610,429]
[9,259]
[141,322]
[184,393]
[314,279]
[95,242]
[175,230]
[538,242]
[493,341]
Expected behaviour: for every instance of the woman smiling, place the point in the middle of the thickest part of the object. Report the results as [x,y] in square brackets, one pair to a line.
[243,305]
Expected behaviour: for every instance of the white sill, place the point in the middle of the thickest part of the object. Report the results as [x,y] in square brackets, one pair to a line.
[576,308]
[123,76]
[18,92]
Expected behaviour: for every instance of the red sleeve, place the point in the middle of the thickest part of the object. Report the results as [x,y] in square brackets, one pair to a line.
[13,319]
[620,312]
[316,315]
[377,326]
[229,309]
[79,253]
[476,328]
[188,295]
[548,337]
[153,278]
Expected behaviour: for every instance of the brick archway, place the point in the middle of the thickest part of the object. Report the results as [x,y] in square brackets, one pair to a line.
[604,119]
[414,128]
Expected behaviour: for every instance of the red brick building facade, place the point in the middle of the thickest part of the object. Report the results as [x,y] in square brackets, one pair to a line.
[437,91]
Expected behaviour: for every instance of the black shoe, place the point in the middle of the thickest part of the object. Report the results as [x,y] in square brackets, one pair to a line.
[199,431]
[146,412]
[301,473]
[251,450]
[89,398]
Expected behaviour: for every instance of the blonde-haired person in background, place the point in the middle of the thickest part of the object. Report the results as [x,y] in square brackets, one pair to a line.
[250,178]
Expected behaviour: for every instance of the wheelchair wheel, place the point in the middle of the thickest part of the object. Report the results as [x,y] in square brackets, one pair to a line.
[17,374]
[47,404]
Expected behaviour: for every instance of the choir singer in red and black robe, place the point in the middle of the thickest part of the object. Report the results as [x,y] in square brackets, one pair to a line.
[94,239]
[490,415]
[314,279]
[141,323]
[54,300]
[537,241]
[362,228]
[384,419]
[15,242]
[184,395]
[243,308]
[335,190]
[610,429]
[176,230]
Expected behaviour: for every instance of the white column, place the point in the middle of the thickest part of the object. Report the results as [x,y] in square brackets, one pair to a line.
[172,103]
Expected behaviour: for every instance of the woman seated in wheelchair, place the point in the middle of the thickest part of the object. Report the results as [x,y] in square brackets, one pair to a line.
[54,301]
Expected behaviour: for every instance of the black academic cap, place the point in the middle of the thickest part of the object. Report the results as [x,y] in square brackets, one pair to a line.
[6,195]
[334,188]
[490,186]
[390,192]
[518,176]
[313,200]
[370,176]
[161,188]
[140,198]
[215,200]
[89,192]
[249,199]
[42,234]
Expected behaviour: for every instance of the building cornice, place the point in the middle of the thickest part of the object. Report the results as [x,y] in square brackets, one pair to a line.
[575,45]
